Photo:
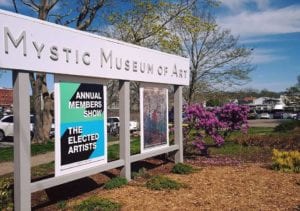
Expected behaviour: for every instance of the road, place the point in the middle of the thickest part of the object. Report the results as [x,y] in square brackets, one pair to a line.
[265,122]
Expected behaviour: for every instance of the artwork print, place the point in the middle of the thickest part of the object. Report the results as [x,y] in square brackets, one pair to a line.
[155,122]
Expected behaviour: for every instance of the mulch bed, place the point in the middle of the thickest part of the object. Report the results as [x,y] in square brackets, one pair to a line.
[224,184]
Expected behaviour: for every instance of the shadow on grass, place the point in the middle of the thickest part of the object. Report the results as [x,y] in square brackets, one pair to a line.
[67,191]
[82,186]
[147,164]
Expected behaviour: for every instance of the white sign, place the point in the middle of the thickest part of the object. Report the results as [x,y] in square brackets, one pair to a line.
[34,45]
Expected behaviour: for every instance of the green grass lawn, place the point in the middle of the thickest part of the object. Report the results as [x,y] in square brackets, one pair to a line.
[252,131]
[113,150]
[6,154]
[112,138]
[260,130]
[233,149]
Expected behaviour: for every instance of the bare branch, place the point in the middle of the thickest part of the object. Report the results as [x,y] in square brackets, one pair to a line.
[216,57]
[169,19]
[31,4]
[52,4]
[87,14]
[15,6]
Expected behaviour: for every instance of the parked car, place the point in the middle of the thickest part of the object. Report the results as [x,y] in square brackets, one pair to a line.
[252,115]
[113,121]
[292,116]
[7,127]
[278,115]
[285,116]
[133,126]
[265,116]
[113,125]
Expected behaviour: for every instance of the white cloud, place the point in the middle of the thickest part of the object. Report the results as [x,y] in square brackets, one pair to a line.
[262,4]
[276,21]
[6,3]
[233,4]
[263,56]
[238,5]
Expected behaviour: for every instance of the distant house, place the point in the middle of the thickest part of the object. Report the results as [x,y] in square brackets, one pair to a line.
[6,99]
[247,100]
[264,103]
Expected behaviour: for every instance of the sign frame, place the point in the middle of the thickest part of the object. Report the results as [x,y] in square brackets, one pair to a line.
[79,165]
[161,146]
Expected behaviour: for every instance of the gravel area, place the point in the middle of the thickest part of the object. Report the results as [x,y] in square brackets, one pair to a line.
[264,122]
[246,187]
[234,187]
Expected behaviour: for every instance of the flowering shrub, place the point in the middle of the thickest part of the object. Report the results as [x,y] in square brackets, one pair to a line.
[215,124]
[286,161]
[233,117]
[202,123]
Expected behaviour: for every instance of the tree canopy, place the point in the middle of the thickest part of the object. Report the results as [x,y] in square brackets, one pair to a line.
[293,94]
[185,28]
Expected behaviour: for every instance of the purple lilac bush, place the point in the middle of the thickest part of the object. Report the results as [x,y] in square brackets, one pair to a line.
[216,123]
[233,117]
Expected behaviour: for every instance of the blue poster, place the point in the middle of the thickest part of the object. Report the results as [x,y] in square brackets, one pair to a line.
[82,140]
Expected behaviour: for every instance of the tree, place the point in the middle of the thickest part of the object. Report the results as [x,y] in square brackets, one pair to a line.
[43,112]
[146,23]
[293,94]
[216,58]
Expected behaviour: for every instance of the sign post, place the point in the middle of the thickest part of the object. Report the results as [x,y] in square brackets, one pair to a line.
[22,155]
[178,123]
[124,96]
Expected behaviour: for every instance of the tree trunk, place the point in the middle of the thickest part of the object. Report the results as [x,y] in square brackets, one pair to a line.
[191,87]
[47,117]
[43,104]
[42,101]
[43,107]
[36,85]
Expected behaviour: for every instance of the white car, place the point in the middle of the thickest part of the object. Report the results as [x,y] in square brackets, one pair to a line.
[115,122]
[292,116]
[265,116]
[7,127]
[133,126]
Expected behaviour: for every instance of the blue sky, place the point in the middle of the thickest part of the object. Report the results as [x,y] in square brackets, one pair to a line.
[270,27]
